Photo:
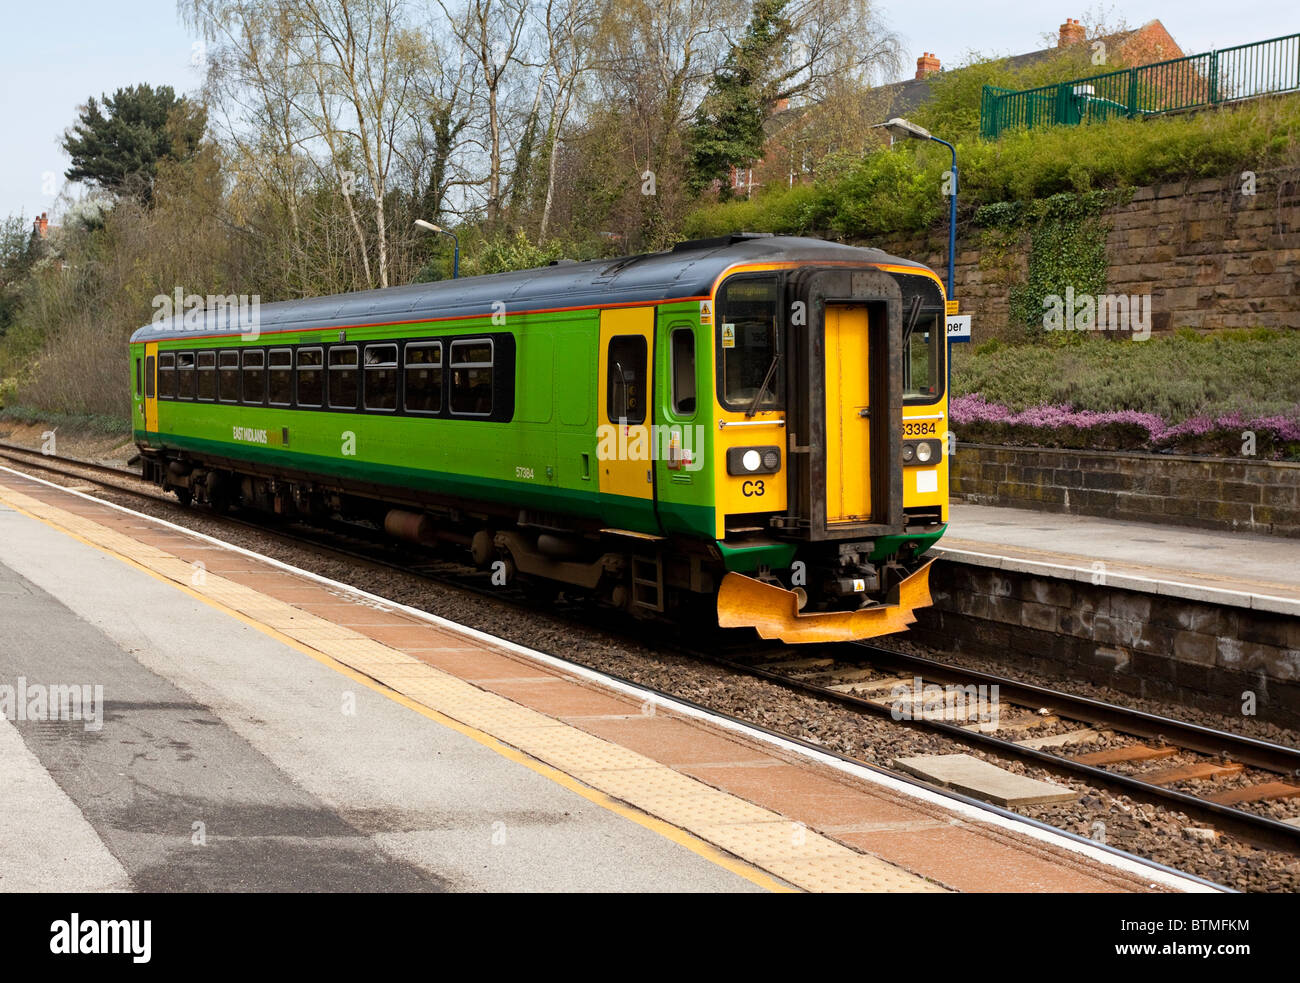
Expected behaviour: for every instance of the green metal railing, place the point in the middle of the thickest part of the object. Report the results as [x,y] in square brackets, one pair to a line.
[1227,75]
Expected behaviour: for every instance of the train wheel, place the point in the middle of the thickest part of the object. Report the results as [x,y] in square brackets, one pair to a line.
[184,496]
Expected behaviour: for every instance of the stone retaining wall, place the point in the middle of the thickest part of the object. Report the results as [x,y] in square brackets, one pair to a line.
[1211,493]
[1147,644]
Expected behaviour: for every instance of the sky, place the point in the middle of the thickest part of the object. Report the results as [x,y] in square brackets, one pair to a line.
[56,53]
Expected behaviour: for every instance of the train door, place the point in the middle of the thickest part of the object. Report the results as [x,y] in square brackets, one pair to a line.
[625,449]
[848,413]
[151,387]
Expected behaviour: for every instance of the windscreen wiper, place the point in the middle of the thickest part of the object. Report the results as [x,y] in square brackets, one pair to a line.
[913,312]
[767,381]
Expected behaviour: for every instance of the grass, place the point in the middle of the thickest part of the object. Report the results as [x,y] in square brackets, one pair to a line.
[1176,377]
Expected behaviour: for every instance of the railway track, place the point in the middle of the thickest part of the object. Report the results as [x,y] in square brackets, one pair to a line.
[1052,729]
[1033,724]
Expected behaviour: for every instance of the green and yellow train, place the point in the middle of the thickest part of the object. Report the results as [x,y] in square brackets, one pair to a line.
[753,422]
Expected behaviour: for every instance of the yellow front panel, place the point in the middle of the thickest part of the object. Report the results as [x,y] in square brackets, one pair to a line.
[151,405]
[625,450]
[927,485]
[848,432]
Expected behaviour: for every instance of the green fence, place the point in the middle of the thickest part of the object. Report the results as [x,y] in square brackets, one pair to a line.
[1228,75]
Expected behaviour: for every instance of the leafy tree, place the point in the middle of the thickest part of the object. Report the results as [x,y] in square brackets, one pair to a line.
[728,127]
[118,144]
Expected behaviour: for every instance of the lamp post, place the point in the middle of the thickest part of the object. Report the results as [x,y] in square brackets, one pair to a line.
[455,256]
[902,129]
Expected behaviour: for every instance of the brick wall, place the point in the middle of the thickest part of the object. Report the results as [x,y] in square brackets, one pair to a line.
[1212,493]
[1209,256]
[1148,644]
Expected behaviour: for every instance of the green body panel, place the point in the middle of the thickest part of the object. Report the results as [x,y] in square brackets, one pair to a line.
[778,556]
[887,546]
[543,458]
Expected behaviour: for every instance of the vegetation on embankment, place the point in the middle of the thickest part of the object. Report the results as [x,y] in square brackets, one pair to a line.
[899,190]
[1202,394]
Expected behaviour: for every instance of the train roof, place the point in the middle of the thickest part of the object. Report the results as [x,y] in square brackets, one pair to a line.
[687,270]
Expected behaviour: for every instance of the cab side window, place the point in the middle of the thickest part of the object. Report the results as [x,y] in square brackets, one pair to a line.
[682,345]
[625,395]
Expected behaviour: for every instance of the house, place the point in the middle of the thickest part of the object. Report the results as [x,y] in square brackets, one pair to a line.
[1143,45]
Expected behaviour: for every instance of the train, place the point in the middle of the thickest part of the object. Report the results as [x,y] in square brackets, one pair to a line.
[751,425]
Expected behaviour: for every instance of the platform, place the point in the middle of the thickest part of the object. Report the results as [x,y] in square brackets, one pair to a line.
[1240,570]
[267,729]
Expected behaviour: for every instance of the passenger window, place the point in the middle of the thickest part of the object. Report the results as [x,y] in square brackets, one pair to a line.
[343,378]
[255,376]
[311,371]
[683,387]
[424,377]
[207,376]
[139,377]
[381,377]
[228,376]
[149,390]
[626,380]
[185,375]
[280,377]
[166,375]
[471,377]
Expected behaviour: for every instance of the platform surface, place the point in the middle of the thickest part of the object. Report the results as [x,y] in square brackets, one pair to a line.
[1238,569]
[266,730]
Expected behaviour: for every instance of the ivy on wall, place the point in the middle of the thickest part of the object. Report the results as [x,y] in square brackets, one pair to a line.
[1066,248]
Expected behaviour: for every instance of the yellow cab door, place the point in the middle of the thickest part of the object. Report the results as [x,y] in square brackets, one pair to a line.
[151,387]
[625,450]
[848,407]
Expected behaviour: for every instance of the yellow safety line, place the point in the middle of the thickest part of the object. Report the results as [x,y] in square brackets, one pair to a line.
[679,836]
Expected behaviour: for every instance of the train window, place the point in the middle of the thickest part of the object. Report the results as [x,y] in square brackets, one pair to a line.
[166,375]
[139,375]
[343,378]
[311,371]
[207,375]
[749,319]
[922,346]
[185,375]
[626,378]
[471,377]
[381,377]
[280,377]
[682,343]
[424,377]
[254,376]
[228,376]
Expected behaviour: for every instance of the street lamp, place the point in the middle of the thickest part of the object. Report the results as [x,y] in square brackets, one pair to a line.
[455,256]
[903,129]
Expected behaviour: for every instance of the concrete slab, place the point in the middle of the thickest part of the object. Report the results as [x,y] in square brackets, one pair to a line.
[1085,736]
[970,775]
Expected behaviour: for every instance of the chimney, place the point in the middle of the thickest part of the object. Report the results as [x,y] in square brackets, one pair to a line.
[1072,32]
[42,225]
[927,64]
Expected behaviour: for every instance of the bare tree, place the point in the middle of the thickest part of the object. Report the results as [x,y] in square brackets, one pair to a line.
[492,31]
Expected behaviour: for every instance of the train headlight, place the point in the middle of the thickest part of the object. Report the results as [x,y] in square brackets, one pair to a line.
[753,460]
[921,451]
